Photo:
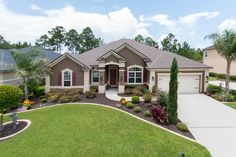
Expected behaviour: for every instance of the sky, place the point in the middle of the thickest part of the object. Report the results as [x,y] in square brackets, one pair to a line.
[188,20]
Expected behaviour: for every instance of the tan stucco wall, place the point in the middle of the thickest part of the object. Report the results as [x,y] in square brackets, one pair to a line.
[131,57]
[218,63]
[67,63]
[9,78]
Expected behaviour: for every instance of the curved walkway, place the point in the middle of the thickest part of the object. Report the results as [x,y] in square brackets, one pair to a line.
[112,94]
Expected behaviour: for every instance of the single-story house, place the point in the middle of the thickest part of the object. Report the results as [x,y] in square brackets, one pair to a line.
[124,62]
[217,62]
[7,64]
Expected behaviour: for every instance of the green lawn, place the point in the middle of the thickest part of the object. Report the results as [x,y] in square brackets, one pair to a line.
[231,104]
[86,130]
[212,79]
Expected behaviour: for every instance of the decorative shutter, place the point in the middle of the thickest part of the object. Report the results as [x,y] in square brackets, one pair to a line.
[125,76]
[145,76]
[59,79]
[74,79]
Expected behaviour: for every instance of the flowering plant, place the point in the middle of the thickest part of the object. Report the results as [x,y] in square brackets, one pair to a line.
[123,101]
[28,103]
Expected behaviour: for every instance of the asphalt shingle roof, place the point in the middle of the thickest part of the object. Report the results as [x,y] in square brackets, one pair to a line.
[8,63]
[159,58]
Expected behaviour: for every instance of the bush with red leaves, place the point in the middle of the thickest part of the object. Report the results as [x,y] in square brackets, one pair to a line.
[159,114]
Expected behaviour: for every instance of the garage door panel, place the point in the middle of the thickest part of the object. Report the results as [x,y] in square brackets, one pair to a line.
[186,83]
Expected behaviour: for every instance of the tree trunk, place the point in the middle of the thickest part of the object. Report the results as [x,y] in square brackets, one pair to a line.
[1,120]
[26,91]
[227,77]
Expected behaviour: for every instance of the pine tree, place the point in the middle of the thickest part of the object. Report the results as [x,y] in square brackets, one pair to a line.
[173,94]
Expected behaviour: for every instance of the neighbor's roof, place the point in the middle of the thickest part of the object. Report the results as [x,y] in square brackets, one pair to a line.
[209,47]
[7,63]
[159,58]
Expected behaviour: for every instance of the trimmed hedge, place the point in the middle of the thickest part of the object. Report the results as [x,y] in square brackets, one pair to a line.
[222,76]
[213,89]
[182,127]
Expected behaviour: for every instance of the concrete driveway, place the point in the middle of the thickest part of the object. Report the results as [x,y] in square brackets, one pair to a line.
[212,123]
[232,85]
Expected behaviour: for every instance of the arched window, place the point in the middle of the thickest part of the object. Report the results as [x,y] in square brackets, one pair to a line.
[135,74]
[67,77]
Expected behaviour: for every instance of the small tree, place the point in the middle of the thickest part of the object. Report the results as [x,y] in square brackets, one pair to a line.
[10,97]
[29,66]
[173,93]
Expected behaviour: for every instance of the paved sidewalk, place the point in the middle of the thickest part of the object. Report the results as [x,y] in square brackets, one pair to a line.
[232,85]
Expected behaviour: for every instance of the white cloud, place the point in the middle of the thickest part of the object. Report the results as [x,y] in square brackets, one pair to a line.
[111,26]
[227,24]
[163,19]
[192,19]
[35,7]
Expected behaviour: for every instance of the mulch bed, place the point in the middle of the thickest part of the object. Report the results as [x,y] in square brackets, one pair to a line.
[8,130]
[101,99]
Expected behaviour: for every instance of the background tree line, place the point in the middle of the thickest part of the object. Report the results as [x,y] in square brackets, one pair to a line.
[4,44]
[58,38]
[171,43]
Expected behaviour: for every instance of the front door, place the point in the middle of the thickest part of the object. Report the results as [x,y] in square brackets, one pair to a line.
[113,77]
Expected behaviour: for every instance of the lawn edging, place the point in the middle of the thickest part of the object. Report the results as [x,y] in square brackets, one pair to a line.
[111,107]
[10,136]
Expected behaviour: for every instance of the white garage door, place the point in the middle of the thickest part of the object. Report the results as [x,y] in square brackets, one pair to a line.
[187,83]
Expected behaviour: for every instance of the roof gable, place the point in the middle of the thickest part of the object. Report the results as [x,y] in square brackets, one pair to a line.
[62,57]
[110,53]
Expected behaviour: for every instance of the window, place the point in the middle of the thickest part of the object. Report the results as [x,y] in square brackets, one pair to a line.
[205,54]
[95,76]
[135,75]
[67,78]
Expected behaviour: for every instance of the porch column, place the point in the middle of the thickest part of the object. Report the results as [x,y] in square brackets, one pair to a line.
[151,79]
[101,87]
[121,86]
[86,81]
[47,83]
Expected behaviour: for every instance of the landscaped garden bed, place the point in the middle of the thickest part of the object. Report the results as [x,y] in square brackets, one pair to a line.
[88,130]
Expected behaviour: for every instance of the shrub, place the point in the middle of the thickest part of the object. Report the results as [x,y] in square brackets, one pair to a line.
[135,99]
[130,105]
[213,89]
[44,100]
[90,95]
[229,97]
[154,89]
[147,98]
[128,91]
[159,114]
[137,109]
[212,74]
[65,99]
[41,97]
[31,96]
[221,76]
[182,127]
[39,91]
[162,98]
[94,89]
[137,92]
[233,92]
[10,97]
[147,114]
[32,86]
[142,88]
[233,78]
[75,98]
[217,97]
[53,97]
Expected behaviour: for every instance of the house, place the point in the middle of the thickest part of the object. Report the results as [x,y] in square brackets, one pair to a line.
[124,62]
[7,64]
[217,62]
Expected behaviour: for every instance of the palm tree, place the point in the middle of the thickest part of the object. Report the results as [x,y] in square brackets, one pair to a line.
[225,44]
[29,66]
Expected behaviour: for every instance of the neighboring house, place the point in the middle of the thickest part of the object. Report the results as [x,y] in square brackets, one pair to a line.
[7,65]
[217,62]
[124,62]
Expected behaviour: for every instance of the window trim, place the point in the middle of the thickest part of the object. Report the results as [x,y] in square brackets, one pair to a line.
[71,76]
[95,83]
[134,66]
